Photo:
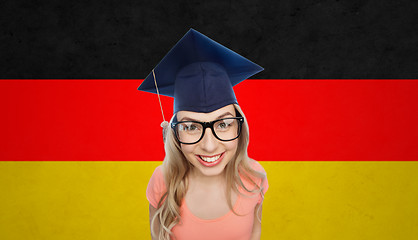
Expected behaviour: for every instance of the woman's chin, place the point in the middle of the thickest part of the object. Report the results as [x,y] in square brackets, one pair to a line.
[211,170]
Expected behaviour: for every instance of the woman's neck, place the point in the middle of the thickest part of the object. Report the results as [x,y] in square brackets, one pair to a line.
[197,177]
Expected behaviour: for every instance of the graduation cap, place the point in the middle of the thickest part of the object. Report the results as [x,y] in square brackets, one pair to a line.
[199,73]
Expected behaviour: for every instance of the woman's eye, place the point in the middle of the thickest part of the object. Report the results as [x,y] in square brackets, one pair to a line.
[224,124]
[189,127]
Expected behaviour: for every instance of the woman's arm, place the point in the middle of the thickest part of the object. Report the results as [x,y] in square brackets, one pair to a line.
[156,227]
[257,224]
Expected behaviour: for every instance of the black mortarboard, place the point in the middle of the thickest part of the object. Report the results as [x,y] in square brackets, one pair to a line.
[199,73]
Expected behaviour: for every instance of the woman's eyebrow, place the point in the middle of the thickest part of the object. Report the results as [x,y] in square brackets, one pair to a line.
[224,115]
[219,117]
[188,119]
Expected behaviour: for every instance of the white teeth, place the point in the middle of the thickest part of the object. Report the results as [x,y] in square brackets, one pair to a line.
[210,159]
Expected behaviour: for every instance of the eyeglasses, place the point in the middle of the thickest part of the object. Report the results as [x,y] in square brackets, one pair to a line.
[191,132]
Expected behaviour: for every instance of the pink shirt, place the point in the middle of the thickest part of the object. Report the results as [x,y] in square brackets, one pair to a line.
[228,227]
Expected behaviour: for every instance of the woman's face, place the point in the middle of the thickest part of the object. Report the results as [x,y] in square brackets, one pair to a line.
[209,155]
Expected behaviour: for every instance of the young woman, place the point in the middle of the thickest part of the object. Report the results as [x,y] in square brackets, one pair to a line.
[207,186]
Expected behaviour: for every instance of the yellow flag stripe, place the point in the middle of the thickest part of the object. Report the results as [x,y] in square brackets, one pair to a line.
[306,200]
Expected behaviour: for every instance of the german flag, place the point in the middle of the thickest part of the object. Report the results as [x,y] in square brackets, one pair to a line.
[333,119]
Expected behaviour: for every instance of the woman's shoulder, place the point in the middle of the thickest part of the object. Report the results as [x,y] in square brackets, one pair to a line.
[158,170]
[261,179]
[255,165]
[157,176]
[253,178]
[252,172]
[156,187]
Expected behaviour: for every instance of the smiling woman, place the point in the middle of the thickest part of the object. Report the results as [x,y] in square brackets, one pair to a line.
[207,154]
[207,186]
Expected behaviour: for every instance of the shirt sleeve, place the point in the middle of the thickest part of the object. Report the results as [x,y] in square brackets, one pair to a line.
[264,182]
[156,187]
[265,186]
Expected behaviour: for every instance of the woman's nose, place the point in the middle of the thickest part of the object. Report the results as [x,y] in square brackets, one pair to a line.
[209,142]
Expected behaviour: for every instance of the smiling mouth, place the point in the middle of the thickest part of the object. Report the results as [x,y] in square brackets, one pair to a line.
[210,159]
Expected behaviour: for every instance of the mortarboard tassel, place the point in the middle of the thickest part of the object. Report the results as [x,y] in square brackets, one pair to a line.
[164,124]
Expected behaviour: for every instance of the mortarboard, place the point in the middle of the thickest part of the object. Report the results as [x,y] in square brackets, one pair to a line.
[199,73]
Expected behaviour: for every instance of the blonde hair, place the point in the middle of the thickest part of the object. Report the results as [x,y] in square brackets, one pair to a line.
[176,168]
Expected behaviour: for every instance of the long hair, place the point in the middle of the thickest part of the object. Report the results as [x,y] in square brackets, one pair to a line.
[176,168]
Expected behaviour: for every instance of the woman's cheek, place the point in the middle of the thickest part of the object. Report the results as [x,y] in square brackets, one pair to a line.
[233,145]
[188,151]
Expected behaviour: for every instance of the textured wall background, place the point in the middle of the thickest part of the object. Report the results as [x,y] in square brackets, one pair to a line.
[86,39]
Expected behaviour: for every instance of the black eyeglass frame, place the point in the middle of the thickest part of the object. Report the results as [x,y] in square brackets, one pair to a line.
[209,125]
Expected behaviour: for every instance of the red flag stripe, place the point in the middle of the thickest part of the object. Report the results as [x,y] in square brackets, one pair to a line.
[289,120]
